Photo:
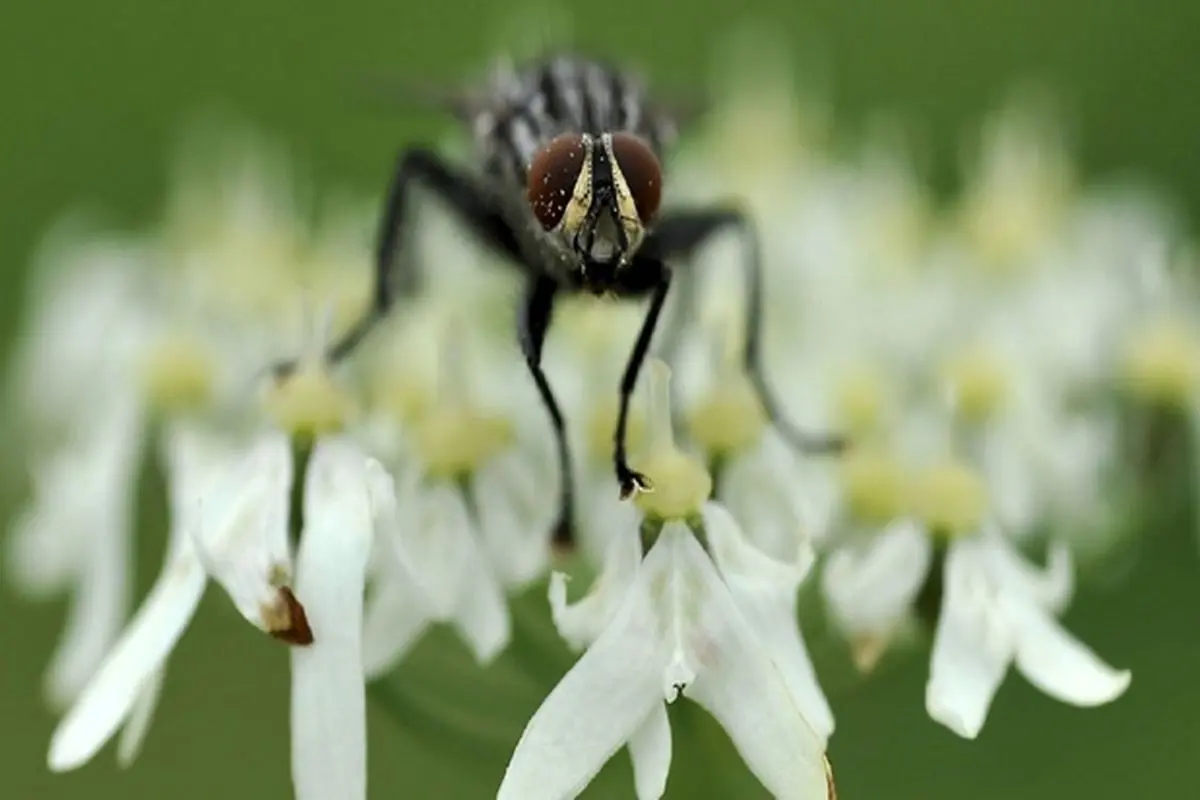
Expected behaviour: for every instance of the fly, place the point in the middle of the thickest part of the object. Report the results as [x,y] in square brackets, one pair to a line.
[567,186]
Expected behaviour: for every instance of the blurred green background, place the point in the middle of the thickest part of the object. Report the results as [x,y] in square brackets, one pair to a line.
[95,97]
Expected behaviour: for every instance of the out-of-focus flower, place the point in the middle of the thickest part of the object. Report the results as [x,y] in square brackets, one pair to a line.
[476,505]
[715,625]
[997,609]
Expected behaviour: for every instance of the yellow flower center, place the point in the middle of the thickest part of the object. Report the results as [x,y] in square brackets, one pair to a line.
[455,442]
[950,498]
[860,402]
[1162,363]
[977,382]
[731,418]
[874,484]
[179,374]
[309,403]
[680,485]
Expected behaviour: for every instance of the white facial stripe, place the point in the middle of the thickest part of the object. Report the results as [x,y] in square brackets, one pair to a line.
[631,222]
[581,196]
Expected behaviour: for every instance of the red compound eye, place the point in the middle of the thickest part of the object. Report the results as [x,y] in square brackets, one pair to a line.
[642,172]
[552,177]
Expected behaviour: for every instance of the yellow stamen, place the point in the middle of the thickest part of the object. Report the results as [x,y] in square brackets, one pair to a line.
[874,484]
[730,419]
[1162,363]
[860,400]
[950,498]
[309,403]
[977,382]
[681,484]
[455,442]
[179,374]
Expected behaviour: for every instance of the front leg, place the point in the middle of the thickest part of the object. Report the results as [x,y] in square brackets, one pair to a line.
[537,308]
[653,275]
[396,278]
[679,235]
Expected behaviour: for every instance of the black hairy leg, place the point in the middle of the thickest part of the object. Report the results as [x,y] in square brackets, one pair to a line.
[677,236]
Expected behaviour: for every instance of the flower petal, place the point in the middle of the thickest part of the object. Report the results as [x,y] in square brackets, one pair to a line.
[242,534]
[580,623]
[650,751]
[870,589]
[481,613]
[394,619]
[140,652]
[597,706]
[765,593]
[972,647]
[738,684]
[329,748]
[1058,663]
[133,735]
[1051,588]
[516,541]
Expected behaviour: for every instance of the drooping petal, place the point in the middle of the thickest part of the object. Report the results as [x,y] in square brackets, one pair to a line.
[1058,663]
[869,589]
[394,618]
[133,735]
[580,623]
[139,653]
[737,682]
[972,647]
[242,534]
[516,541]
[1051,588]
[481,612]
[599,703]
[92,505]
[329,749]
[650,751]
[765,593]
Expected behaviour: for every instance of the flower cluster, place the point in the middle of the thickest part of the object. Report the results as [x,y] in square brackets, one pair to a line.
[969,350]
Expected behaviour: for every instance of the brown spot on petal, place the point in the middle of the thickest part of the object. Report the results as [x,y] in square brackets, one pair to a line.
[286,620]
[831,789]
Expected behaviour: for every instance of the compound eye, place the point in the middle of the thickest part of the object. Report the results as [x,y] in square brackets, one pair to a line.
[552,178]
[641,171]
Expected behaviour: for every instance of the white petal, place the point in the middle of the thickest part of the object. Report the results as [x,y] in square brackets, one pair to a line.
[765,592]
[85,504]
[329,749]
[394,619]
[650,751]
[972,647]
[597,706]
[1058,663]
[580,623]
[242,534]
[870,589]
[133,735]
[435,543]
[1051,588]
[98,609]
[739,685]
[517,542]
[481,613]
[141,651]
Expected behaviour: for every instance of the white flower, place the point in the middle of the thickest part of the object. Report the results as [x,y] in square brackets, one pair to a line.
[719,629]
[344,494]
[124,689]
[474,513]
[997,610]
[75,537]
